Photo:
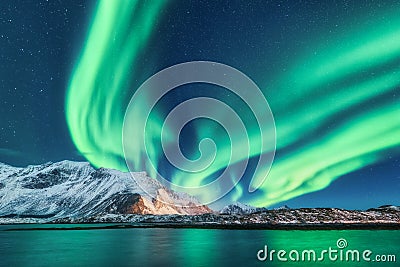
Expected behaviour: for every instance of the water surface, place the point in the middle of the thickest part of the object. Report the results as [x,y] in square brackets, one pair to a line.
[185,247]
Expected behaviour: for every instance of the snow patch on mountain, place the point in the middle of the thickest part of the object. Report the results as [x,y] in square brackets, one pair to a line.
[284,207]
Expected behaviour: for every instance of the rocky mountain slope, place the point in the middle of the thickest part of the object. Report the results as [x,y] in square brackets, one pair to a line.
[76,189]
[239,213]
[305,218]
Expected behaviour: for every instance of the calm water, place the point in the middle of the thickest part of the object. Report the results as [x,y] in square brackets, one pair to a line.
[183,247]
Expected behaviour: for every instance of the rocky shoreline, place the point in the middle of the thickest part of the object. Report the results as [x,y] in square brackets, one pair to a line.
[387,217]
[97,226]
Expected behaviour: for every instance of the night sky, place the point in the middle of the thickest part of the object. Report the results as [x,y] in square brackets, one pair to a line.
[329,70]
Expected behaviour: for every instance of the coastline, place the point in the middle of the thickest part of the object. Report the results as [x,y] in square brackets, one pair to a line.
[49,226]
[385,218]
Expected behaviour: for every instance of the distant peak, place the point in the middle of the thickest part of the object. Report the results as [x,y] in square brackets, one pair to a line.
[240,208]
[391,207]
[284,207]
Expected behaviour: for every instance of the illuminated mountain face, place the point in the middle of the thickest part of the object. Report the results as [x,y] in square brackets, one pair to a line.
[75,189]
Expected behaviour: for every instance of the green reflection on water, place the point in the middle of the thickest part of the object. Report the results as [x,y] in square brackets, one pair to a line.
[181,247]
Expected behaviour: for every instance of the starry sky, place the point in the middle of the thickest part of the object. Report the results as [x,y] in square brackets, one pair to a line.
[329,70]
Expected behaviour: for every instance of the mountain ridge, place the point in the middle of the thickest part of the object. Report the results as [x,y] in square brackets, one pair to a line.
[240,208]
[76,189]
[75,192]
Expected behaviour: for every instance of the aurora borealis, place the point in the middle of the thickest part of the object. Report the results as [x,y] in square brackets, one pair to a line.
[371,128]
[329,71]
[101,76]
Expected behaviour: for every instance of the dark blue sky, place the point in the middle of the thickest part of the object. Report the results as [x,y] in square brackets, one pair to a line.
[38,43]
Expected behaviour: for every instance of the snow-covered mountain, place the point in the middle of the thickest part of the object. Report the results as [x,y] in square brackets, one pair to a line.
[284,207]
[386,207]
[76,189]
[240,208]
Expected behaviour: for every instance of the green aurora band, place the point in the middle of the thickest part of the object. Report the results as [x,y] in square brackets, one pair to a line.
[348,74]
[95,98]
